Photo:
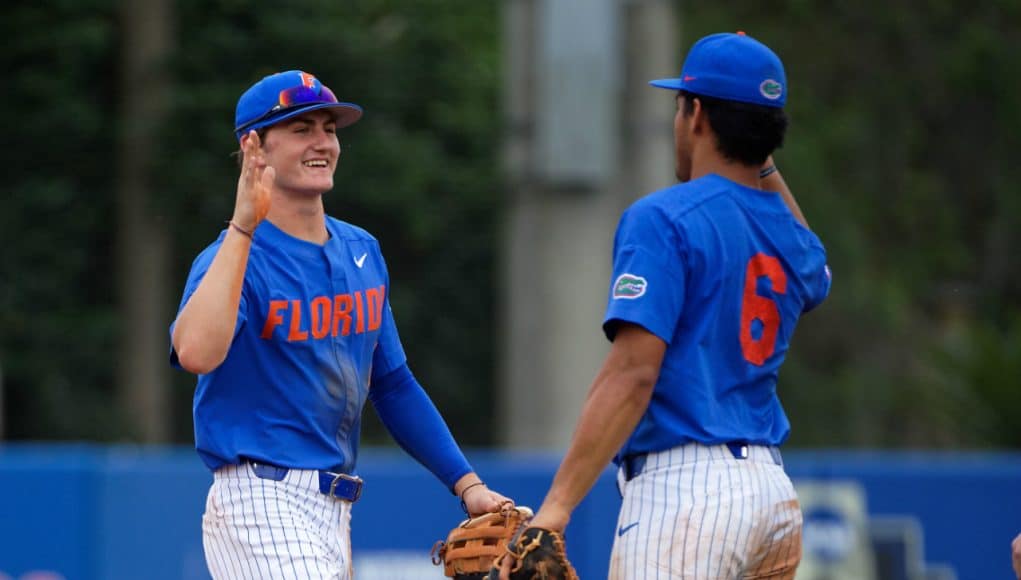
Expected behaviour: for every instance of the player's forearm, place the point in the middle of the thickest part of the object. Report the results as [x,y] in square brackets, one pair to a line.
[416,425]
[616,402]
[205,327]
[775,182]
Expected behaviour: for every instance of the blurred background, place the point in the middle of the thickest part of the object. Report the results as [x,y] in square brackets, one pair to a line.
[500,142]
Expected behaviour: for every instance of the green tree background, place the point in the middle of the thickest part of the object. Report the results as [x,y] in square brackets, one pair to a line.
[904,127]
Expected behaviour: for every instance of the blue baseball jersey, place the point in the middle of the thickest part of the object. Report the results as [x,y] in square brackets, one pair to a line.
[313,327]
[721,273]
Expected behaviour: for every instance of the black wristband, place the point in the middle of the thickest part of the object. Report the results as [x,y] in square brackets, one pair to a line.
[767,171]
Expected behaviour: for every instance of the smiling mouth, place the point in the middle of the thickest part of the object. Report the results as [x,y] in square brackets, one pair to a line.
[316,163]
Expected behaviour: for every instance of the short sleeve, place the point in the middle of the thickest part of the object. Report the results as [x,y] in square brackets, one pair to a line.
[198,271]
[816,271]
[389,353]
[647,286]
[820,289]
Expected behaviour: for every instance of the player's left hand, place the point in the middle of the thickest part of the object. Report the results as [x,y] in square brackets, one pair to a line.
[480,500]
[534,552]
[549,517]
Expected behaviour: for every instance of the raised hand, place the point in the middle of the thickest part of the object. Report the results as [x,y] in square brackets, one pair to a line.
[254,185]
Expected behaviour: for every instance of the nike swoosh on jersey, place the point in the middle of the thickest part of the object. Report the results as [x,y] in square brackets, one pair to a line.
[360,261]
[624,529]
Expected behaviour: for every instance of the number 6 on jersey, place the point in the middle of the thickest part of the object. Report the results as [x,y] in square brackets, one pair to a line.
[756,307]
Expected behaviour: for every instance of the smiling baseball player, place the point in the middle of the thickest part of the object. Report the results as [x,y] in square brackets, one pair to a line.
[709,280]
[286,320]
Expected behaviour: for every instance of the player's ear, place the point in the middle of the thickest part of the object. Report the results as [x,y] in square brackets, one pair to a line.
[699,118]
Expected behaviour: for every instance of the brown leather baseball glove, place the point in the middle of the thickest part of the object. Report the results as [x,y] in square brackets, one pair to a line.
[536,554]
[470,548]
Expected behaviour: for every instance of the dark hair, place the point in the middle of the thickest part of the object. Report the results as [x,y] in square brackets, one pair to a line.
[745,133]
[240,153]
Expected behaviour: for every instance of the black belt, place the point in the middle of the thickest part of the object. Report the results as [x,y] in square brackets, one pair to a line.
[634,465]
[339,485]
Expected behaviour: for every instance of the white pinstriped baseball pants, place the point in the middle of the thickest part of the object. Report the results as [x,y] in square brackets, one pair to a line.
[698,513]
[258,528]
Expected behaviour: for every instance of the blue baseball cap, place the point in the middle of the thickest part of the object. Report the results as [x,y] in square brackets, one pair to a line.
[286,94]
[734,67]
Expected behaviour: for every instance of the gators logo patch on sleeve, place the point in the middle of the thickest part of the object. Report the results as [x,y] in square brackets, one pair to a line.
[629,287]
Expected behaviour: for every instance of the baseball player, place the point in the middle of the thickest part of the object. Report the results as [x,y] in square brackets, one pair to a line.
[286,321]
[709,279]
